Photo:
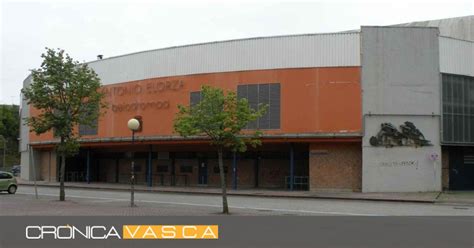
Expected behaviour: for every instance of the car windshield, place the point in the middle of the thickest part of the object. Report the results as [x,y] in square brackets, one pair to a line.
[4,175]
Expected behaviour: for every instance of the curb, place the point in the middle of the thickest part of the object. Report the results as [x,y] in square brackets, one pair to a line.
[455,203]
[244,194]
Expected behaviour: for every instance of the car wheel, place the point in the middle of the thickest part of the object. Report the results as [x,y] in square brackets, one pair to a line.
[12,189]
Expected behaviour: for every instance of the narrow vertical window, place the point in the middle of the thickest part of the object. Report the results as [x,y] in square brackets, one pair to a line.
[195,97]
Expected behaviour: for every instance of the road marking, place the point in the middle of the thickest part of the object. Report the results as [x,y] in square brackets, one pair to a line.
[105,201]
[214,206]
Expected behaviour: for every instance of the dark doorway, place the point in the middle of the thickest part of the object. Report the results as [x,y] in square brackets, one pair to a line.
[76,170]
[202,171]
[461,168]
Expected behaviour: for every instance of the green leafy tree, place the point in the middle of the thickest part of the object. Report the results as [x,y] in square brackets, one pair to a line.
[9,121]
[66,94]
[9,132]
[220,117]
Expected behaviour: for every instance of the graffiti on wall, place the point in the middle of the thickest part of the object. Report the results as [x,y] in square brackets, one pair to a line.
[403,163]
[136,89]
[390,136]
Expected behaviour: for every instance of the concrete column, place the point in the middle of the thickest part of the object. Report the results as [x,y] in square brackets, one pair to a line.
[292,166]
[117,170]
[49,167]
[257,161]
[150,164]
[173,169]
[88,168]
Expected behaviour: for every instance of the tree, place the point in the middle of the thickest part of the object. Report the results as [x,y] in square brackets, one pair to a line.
[9,121]
[9,130]
[220,117]
[66,94]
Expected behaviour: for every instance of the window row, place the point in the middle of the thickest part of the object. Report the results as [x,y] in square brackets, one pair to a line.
[257,94]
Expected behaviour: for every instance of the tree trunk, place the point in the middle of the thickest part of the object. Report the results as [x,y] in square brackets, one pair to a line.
[62,194]
[225,207]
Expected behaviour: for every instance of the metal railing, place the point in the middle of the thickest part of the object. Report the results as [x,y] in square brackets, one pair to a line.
[299,182]
[75,176]
[170,180]
[157,179]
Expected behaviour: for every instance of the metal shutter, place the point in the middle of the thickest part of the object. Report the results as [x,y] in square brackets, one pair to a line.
[264,99]
[458,109]
[274,106]
[257,94]
[242,91]
[195,97]
[252,97]
[88,129]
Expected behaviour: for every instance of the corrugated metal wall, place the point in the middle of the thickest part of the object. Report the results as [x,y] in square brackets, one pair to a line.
[456,56]
[457,27]
[299,51]
[265,94]
[458,109]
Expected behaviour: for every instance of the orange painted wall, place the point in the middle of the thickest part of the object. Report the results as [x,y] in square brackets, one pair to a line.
[313,100]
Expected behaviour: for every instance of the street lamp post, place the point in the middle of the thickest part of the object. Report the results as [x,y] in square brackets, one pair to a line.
[133,124]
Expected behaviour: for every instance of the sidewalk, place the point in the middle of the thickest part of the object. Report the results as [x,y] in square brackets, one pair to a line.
[422,197]
[457,197]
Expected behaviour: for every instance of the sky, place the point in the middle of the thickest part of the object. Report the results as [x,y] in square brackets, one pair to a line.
[87,28]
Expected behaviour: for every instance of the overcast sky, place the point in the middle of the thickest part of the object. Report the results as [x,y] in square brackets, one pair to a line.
[85,28]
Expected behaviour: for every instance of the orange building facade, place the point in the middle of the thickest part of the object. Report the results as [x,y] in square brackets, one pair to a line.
[319,115]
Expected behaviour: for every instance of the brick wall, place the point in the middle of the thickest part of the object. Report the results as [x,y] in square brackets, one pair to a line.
[125,169]
[245,173]
[272,173]
[335,167]
[192,178]
[107,171]
[214,176]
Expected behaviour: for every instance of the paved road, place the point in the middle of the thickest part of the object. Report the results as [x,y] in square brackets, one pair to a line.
[107,202]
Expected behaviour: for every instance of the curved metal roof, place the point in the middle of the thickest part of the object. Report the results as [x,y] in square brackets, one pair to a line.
[458,27]
[293,51]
